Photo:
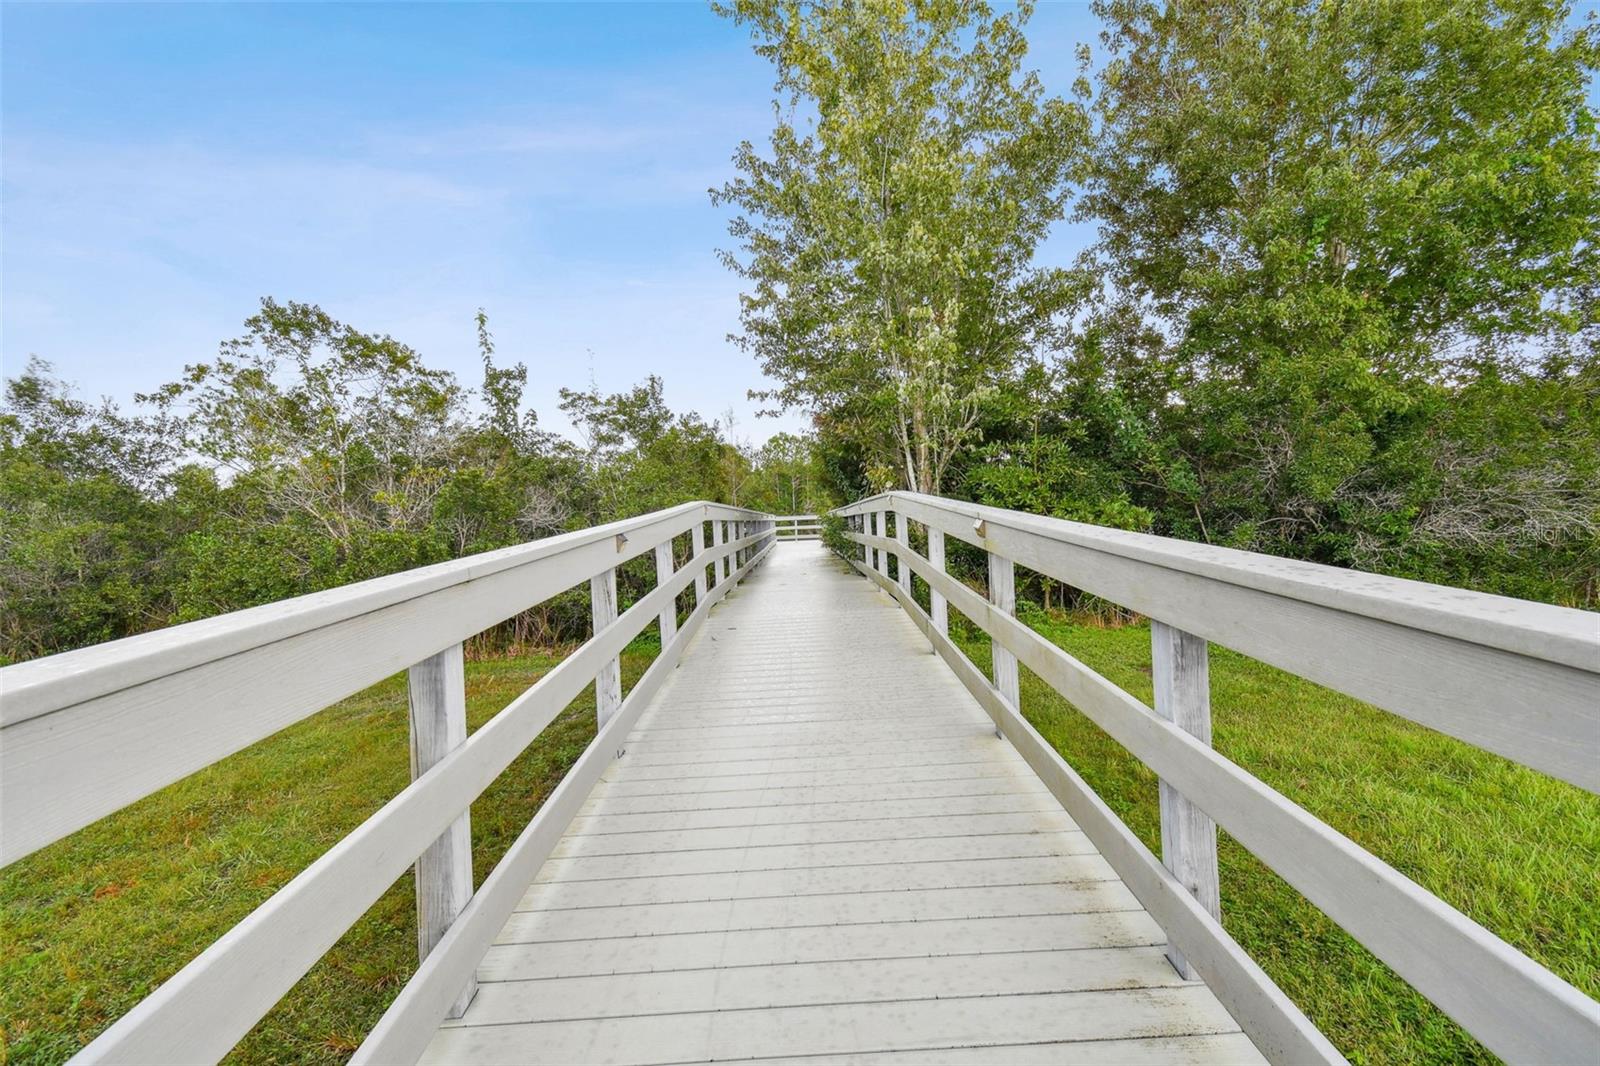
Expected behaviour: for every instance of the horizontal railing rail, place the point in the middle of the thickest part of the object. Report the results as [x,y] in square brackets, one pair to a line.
[1520,679]
[798,526]
[149,710]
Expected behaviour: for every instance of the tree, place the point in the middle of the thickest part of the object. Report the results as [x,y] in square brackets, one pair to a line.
[347,428]
[889,237]
[82,540]
[788,477]
[1334,217]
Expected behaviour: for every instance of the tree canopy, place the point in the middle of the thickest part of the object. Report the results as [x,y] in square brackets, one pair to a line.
[888,235]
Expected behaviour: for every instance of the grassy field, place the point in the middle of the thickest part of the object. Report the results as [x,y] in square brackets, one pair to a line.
[1515,850]
[92,923]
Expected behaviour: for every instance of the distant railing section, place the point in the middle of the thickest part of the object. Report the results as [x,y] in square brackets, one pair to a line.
[86,733]
[798,526]
[1517,678]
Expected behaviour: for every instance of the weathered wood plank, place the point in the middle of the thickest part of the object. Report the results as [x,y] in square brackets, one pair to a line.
[1181,673]
[437,691]
[1003,595]
[824,983]
[603,611]
[840,1029]
[669,617]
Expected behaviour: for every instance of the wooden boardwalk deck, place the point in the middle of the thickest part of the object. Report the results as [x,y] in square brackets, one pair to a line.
[815,847]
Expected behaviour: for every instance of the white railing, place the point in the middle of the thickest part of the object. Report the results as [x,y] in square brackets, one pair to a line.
[86,733]
[798,526]
[1517,678]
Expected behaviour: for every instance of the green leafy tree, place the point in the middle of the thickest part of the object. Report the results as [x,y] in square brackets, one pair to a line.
[888,238]
[1341,220]
[82,540]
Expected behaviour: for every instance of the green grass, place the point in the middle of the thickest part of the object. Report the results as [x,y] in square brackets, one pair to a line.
[1515,850]
[90,924]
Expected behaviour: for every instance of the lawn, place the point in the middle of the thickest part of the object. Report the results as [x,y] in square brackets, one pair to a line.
[1515,850]
[92,923]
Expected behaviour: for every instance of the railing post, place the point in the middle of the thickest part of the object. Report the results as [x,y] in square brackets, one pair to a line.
[936,603]
[697,545]
[1003,594]
[608,682]
[669,613]
[438,700]
[1182,674]
[902,535]
[719,565]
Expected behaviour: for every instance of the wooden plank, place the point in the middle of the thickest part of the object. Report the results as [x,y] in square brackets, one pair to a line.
[1143,1051]
[840,1029]
[731,950]
[944,771]
[603,610]
[838,909]
[603,823]
[842,831]
[668,619]
[698,534]
[823,984]
[779,857]
[819,880]
[938,606]
[1003,595]
[437,698]
[902,536]
[1182,678]
[784,796]
[719,534]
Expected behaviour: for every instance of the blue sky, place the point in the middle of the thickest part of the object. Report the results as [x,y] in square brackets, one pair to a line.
[166,166]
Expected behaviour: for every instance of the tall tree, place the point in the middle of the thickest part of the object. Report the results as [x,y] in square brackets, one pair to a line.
[888,238]
[1336,215]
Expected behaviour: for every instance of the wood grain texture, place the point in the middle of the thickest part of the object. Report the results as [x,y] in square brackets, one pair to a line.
[1003,595]
[1180,669]
[603,612]
[938,606]
[437,701]
[902,536]
[669,616]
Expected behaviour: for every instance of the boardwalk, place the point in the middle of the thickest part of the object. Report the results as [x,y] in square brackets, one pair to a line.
[816,845]
[801,836]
